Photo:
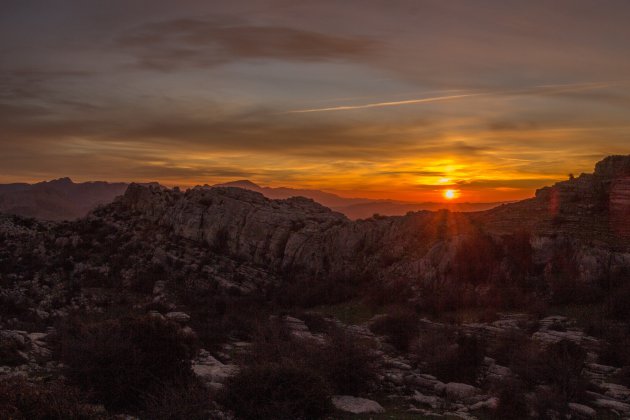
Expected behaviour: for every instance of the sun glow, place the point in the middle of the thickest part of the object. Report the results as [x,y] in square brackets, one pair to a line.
[450,194]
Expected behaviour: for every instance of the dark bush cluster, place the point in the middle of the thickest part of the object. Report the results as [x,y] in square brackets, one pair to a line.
[476,260]
[278,392]
[309,292]
[10,352]
[285,377]
[399,328]
[557,367]
[221,318]
[132,363]
[346,363]
[617,302]
[21,400]
[381,293]
[450,356]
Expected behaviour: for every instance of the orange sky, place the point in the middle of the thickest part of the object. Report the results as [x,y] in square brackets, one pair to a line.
[400,100]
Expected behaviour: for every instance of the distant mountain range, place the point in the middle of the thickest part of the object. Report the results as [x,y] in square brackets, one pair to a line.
[62,199]
[358,208]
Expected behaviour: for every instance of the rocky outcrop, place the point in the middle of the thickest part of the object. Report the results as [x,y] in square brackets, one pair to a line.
[211,371]
[272,233]
[620,206]
[591,207]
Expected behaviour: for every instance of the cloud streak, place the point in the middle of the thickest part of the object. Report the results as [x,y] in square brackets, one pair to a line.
[169,45]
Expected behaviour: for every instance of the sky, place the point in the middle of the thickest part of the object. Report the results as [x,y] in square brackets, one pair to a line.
[399,99]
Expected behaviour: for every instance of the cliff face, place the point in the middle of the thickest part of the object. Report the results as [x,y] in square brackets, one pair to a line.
[591,207]
[296,234]
[242,223]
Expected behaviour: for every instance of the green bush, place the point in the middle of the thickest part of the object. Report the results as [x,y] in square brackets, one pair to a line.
[277,392]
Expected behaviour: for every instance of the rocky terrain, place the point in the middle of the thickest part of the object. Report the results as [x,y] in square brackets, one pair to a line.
[515,312]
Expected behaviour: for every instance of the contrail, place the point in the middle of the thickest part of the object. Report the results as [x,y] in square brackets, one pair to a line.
[384,104]
[557,88]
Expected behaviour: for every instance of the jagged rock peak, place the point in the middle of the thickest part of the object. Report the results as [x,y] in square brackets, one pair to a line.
[139,196]
[62,181]
[241,183]
[613,166]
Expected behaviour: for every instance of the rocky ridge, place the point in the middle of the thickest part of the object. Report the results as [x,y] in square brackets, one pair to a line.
[299,235]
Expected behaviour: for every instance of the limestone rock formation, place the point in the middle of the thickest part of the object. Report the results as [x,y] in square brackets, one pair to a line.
[299,236]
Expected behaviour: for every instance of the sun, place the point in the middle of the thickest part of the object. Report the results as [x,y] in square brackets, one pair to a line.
[450,194]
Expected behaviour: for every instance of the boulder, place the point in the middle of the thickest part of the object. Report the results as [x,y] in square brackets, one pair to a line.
[459,392]
[489,404]
[211,371]
[356,405]
[430,400]
[613,405]
[582,410]
[159,287]
[180,317]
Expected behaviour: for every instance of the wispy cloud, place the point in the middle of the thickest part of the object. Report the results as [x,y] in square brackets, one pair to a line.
[174,44]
